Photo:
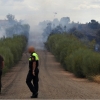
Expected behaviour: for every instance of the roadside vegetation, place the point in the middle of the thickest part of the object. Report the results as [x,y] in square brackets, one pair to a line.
[13,40]
[74,55]
[11,49]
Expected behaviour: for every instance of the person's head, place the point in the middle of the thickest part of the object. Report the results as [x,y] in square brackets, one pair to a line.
[31,49]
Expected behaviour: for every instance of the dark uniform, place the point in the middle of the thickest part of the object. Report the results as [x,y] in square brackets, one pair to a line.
[32,80]
[1,65]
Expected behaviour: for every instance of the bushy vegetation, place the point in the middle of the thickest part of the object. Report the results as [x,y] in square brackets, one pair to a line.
[11,49]
[74,55]
[89,30]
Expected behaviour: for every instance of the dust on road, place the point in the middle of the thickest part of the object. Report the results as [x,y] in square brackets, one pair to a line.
[54,83]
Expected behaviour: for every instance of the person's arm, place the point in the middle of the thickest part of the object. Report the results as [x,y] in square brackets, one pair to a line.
[34,66]
[2,64]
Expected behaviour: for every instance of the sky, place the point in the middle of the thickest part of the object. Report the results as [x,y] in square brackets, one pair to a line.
[36,11]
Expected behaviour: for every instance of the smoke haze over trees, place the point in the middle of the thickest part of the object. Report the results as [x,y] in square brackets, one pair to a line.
[11,26]
[64,25]
[85,32]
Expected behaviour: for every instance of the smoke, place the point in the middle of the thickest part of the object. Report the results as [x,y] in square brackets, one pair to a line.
[2,32]
[10,27]
[33,32]
[39,33]
[36,38]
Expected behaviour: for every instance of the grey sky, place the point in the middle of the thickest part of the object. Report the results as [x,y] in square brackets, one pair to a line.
[39,10]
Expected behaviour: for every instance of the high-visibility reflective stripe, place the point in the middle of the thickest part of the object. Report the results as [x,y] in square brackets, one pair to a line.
[36,56]
[29,59]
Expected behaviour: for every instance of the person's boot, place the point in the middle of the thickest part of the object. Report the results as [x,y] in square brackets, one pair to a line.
[34,95]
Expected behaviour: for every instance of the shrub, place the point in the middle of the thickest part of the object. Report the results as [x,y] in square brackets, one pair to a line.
[11,49]
[75,56]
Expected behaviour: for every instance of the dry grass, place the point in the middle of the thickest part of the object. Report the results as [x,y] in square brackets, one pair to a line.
[96,78]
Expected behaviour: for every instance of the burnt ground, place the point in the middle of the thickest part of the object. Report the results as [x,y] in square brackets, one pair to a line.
[54,82]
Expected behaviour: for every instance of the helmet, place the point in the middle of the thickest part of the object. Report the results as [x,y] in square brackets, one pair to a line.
[31,49]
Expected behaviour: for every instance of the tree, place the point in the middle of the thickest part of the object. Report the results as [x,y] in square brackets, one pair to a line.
[93,24]
[57,29]
[18,29]
[10,17]
[98,33]
[64,21]
[73,29]
[47,30]
[55,22]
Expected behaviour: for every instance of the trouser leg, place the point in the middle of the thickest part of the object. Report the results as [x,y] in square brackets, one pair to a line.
[0,80]
[28,82]
[36,80]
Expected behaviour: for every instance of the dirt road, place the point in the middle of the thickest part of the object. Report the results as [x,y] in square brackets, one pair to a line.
[54,83]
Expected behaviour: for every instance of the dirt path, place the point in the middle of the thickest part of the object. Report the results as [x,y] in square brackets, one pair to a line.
[54,83]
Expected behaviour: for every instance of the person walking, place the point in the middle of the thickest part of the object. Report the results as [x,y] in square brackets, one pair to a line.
[1,67]
[32,76]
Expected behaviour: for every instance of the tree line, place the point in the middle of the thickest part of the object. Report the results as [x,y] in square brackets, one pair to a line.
[74,55]
[11,49]
[87,31]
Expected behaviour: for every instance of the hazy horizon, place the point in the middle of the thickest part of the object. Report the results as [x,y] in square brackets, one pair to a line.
[35,11]
[39,10]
